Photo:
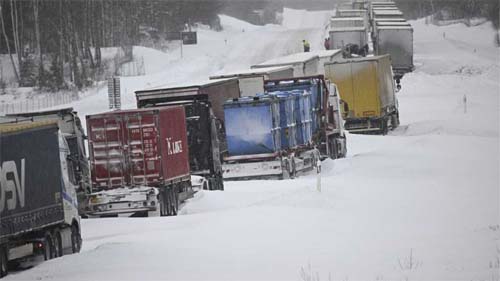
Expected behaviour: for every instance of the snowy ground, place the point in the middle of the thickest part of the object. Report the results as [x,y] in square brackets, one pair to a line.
[419,204]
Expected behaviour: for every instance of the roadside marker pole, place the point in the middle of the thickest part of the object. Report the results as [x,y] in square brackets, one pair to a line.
[465,103]
[318,175]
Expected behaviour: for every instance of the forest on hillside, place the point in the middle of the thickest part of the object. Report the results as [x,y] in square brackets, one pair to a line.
[451,9]
[57,44]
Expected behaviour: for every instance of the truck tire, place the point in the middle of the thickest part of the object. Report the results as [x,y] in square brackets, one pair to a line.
[58,248]
[3,262]
[394,121]
[166,200]
[285,170]
[161,203]
[333,148]
[212,184]
[293,168]
[76,239]
[48,246]
[174,201]
[383,126]
[220,179]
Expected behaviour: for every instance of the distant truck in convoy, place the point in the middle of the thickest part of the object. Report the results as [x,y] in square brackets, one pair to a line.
[362,13]
[341,22]
[71,128]
[366,88]
[360,5]
[304,64]
[395,39]
[203,102]
[139,161]
[341,38]
[38,204]
[285,131]
[251,81]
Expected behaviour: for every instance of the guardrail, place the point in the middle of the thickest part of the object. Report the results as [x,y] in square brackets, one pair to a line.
[47,100]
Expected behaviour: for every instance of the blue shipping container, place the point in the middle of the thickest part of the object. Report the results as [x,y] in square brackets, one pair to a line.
[252,126]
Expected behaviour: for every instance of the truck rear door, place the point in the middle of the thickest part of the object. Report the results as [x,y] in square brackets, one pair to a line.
[124,150]
[365,88]
[106,143]
[142,152]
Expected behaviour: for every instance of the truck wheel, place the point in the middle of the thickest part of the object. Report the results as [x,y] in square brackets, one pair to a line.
[293,170]
[161,203]
[220,180]
[3,262]
[394,121]
[333,148]
[58,249]
[76,239]
[166,198]
[285,170]
[206,185]
[212,184]
[174,201]
[383,126]
[48,246]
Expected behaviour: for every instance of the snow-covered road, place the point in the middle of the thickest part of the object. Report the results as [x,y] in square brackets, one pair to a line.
[419,204]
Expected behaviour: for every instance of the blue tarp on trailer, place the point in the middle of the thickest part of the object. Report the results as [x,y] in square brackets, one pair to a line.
[252,125]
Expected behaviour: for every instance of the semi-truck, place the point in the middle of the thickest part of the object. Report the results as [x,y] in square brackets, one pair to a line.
[366,88]
[341,38]
[396,39]
[203,102]
[38,205]
[139,162]
[285,131]
[71,128]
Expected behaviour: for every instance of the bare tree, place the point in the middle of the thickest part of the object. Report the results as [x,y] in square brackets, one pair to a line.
[7,42]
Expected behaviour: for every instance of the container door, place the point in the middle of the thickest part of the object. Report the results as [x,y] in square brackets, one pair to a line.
[106,144]
[142,150]
[365,84]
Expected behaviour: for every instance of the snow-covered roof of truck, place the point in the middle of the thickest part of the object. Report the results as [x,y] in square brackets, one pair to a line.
[346,19]
[326,53]
[360,59]
[186,84]
[390,19]
[393,23]
[350,28]
[352,10]
[290,59]
[383,3]
[387,12]
[385,8]
[404,27]
[250,72]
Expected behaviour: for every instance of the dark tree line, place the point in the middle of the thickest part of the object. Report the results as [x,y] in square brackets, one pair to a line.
[57,43]
[453,9]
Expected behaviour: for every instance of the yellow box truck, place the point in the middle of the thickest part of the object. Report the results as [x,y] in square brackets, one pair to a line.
[366,89]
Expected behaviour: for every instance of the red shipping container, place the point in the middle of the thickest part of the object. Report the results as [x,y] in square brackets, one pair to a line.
[140,147]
